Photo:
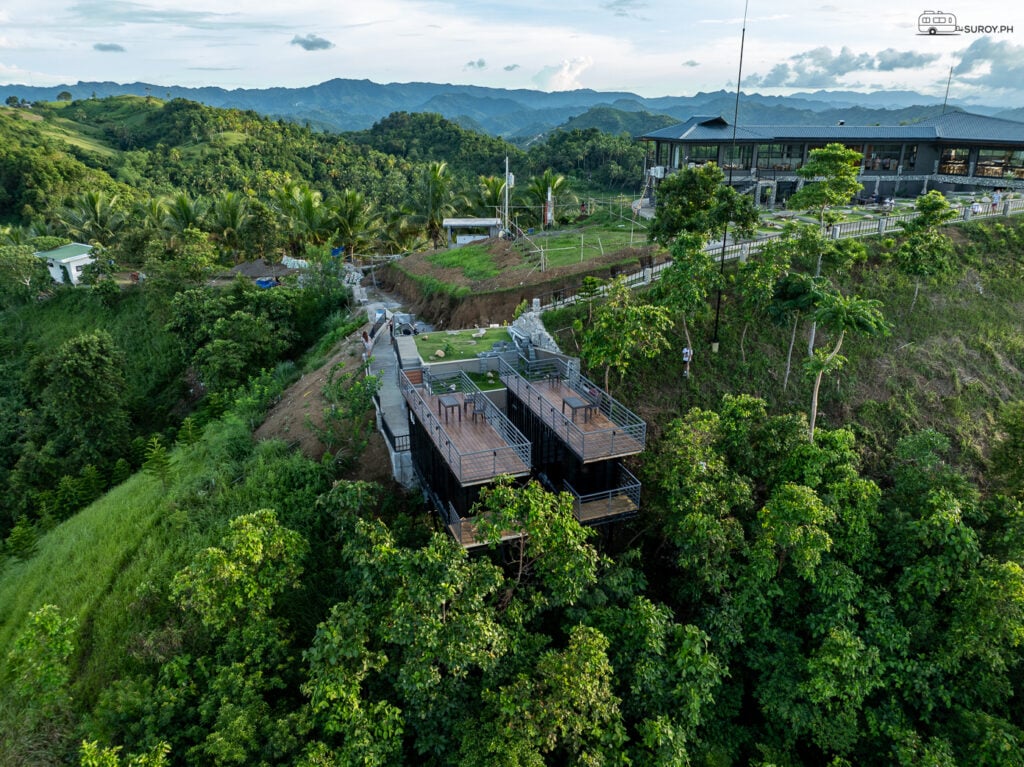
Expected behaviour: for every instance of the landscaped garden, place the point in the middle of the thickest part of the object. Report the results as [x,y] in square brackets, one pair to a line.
[459,344]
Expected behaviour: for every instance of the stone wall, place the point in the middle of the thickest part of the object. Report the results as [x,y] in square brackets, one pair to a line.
[530,325]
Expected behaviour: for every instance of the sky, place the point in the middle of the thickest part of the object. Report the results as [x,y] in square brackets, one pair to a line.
[648,47]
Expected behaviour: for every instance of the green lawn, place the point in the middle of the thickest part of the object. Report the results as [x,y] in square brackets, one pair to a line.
[476,261]
[562,248]
[457,344]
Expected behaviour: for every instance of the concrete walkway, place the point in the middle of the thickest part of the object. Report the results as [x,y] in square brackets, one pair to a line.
[391,407]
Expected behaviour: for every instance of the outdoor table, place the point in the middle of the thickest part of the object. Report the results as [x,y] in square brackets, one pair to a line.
[575,404]
[449,403]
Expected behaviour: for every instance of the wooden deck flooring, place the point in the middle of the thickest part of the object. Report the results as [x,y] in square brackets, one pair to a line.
[601,440]
[586,513]
[481,453]
[616,506]
[469,538]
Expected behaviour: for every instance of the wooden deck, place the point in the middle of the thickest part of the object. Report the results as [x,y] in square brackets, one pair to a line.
[466,533]
[594,511]
[601,438]
[475,451]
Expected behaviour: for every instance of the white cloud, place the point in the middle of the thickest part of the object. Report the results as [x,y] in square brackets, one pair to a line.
[564,76]
[14,75]
[607,45]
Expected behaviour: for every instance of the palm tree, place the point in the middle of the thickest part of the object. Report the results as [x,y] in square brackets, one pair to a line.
[357,222]
[183,213]
[303,215]
[795,296]
[434,198]
[537,191]
[92,217]
[149,215]
[401,235]
[226,219]
[13,235]
[843,314]
[490,195]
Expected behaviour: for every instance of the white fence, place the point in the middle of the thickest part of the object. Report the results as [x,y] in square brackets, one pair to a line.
[842,230]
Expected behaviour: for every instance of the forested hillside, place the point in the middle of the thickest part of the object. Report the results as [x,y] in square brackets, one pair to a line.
[177,191]
[346,105]
[826,568]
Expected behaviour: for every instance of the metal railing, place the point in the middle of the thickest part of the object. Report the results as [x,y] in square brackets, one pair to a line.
[451,519]
[628,487]
[472,466]
[626,435]
[842,230]
[399,442]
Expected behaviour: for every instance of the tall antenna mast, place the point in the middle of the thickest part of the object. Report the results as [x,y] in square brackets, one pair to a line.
[948,81]
[732,164]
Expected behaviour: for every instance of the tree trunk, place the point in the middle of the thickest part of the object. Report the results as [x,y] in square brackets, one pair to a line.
[743,335]
[817,273]
[817,382]
[814,402]
[689,345]
[789,357]
[917,287]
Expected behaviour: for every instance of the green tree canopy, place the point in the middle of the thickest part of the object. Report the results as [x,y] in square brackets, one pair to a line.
[698,202]
[625,330]
[927,251]
[830,179]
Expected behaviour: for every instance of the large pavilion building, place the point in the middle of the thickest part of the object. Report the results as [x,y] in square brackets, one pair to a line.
[956,151]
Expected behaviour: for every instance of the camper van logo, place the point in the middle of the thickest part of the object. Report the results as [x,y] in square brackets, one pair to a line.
[944,23]
[937,23]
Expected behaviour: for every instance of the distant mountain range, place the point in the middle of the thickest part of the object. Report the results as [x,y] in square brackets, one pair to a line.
[521,115]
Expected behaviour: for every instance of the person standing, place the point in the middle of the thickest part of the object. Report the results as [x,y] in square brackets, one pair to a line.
[687,356]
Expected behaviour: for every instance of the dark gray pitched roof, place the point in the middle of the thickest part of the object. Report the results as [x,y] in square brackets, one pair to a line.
[951,127]
[969,127]
[706,129]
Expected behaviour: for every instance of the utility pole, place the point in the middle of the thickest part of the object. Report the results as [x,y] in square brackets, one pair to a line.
[504,218]
[732,152]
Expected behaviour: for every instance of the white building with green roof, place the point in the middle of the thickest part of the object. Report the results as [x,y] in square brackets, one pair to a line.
[66,263]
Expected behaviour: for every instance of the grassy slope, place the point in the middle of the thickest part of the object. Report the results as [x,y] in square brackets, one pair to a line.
[81,561]
[109,564]
[948,364]
[152,357]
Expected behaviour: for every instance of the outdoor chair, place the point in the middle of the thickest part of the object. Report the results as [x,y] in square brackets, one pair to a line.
[479,407]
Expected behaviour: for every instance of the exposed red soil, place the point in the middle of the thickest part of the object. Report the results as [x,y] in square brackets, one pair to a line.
[300,411]
[494,299]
